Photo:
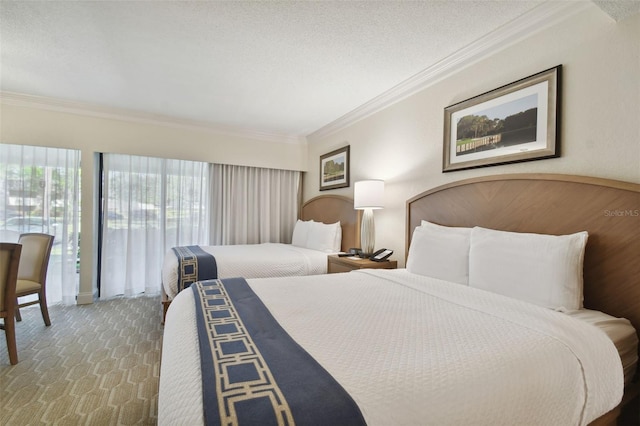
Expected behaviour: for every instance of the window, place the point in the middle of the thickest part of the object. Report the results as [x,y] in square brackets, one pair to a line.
[149,205]
[40,192]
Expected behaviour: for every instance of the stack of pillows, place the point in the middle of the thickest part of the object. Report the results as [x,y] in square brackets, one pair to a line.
[317,236]
[542,269]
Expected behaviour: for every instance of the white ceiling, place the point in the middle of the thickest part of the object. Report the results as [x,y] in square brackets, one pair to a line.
[286,67]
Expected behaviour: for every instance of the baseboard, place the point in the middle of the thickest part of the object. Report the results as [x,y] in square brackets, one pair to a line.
[84,299]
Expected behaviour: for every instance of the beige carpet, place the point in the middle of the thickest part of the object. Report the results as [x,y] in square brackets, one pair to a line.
[96,364]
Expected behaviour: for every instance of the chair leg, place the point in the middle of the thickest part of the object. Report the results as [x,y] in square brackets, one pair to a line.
[44,309]
[10,334]
[18,316]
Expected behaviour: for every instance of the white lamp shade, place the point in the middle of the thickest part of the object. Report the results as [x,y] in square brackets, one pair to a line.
[368,194]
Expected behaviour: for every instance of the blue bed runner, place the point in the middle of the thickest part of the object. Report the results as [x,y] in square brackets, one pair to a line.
[253,372]
[194,264]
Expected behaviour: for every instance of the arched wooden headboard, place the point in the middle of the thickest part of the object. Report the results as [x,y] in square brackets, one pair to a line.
[333,208]
[554,204]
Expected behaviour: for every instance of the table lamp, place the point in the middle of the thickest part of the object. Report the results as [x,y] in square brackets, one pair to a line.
[368,195]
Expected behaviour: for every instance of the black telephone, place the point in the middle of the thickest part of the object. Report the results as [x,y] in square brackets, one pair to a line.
[381,255]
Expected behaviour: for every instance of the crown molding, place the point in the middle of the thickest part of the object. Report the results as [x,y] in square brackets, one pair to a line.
[537,20]
[78,108]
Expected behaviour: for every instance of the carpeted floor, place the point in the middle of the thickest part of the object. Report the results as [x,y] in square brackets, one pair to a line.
[96,364]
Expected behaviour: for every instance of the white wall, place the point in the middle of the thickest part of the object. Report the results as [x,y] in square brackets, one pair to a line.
[46,127]
[600,128]
[43,127]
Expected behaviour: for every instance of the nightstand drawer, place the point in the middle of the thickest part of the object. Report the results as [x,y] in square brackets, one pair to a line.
[337,264]
[334,268]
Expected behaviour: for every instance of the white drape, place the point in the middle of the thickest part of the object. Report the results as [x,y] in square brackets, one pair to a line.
[150,205]
[40,192]
[251,205]
[153,204]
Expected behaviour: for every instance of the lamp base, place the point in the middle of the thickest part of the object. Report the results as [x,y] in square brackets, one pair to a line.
[367,233]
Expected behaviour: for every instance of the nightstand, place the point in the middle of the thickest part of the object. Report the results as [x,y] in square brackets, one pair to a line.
[337,264]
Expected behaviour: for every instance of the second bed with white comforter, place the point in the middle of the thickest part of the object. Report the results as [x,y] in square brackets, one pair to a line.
[251,261]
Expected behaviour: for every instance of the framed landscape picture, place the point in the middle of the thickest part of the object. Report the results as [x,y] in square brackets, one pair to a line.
[516,122]
[334,169]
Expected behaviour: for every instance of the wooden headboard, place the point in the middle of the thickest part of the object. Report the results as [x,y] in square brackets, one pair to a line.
[554,204]
[333,208]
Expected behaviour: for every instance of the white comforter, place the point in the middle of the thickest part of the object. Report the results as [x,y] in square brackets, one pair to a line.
[252,261]
[417,351]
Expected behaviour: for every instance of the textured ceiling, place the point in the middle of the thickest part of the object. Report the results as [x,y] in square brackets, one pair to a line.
[619,9]
[288,67]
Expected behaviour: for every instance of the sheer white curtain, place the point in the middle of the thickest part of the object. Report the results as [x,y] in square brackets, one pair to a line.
[40,192]
[251,205]
[150,205]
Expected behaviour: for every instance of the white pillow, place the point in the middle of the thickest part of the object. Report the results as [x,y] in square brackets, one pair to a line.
[301,233]
[322,237]
[440,252]
[537,268]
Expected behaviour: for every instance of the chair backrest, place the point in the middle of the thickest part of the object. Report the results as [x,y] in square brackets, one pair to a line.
[34,260]
[9,261]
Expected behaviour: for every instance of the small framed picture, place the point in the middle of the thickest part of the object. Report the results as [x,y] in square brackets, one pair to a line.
[516,122]
[334,169]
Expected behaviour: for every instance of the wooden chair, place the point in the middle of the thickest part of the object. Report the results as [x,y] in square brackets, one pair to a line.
[32,272]
[9,261]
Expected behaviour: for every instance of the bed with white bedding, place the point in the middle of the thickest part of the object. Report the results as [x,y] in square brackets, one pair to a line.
[434,344]
[251,261]
[411,349]
[327,224]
